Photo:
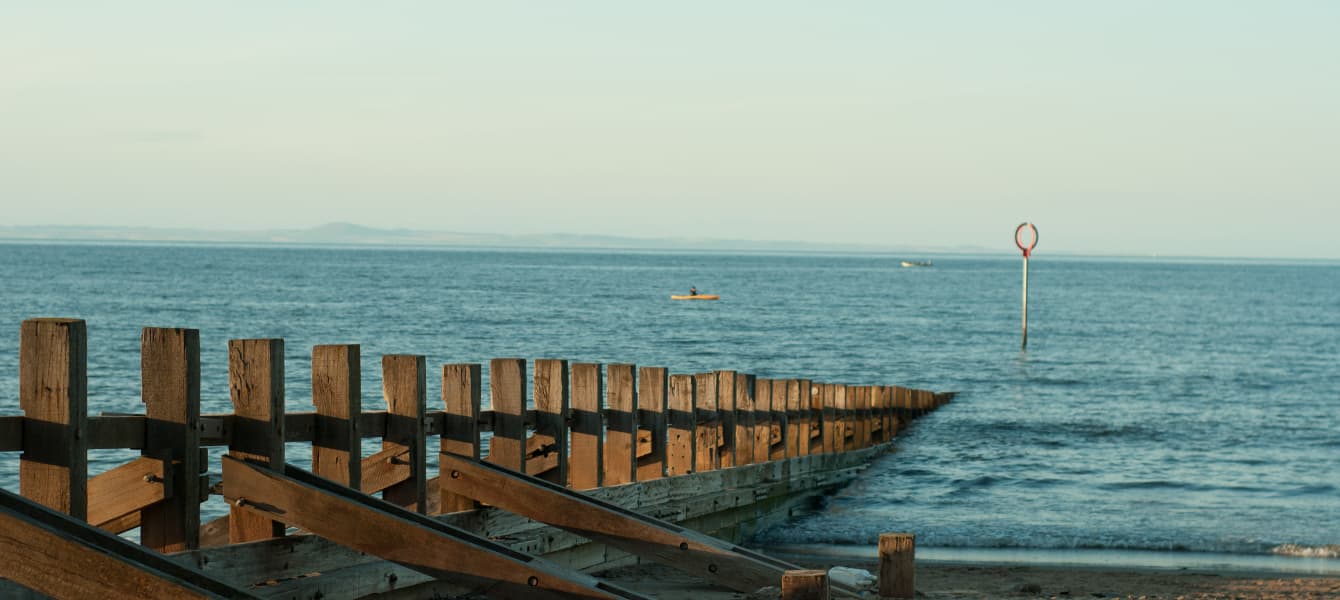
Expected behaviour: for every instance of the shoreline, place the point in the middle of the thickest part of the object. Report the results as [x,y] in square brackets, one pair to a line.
[943,580]
[1138,560]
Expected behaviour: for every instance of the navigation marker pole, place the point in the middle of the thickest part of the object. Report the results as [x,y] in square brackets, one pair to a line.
[1028,251]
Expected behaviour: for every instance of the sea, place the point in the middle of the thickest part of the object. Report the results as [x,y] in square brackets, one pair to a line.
[1166,412]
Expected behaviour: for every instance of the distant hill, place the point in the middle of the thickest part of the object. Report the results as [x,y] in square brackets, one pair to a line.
[354,234]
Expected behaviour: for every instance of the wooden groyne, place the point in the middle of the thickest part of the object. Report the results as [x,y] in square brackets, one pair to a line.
[588,466]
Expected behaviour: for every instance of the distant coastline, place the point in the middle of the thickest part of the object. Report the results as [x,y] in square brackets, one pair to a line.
[352,235]
[358,235]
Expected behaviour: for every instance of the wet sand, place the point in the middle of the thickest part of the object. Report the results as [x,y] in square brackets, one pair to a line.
[946,581]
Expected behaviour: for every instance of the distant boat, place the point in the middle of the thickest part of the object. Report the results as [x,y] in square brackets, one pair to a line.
[697,297]
[917,263]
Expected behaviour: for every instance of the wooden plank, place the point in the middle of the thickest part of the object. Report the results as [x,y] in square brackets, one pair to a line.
[780,435]
[337,392]
[551,422]
[129,488]
[832,427]
[695,553]
[461,391]
[816,417]
[170,389]
[805,584]
[587,443]
[404,537]
[386,469]
[507,393]
[116,431]
[861,406]
[744,419]
[897,565]
[63,558]
[404,384]
[620,425]
[726,418]
[651,403]
[795,418]
[681,451]
[53,393]
[11,433]
[256,387]
[706,422]
[763,415]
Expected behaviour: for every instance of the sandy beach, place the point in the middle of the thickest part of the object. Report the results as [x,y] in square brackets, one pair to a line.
[944,581]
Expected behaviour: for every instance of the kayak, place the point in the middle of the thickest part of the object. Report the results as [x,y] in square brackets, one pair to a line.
[697,297]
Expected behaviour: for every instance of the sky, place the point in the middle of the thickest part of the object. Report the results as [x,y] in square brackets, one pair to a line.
[1201,128]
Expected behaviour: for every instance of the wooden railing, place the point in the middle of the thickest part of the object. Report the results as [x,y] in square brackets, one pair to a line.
[581,425]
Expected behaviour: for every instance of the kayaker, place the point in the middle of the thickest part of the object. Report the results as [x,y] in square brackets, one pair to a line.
[693,291]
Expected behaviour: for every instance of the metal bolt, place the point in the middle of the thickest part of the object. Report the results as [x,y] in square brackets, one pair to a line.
[533,581]
[455,474]
[711,568]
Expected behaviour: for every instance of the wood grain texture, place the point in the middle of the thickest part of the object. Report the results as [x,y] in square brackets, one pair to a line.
[744,419]
[832,426]
[550,438]
[587,437]
[337,392]
[507,394]
[763,415]
[621,429]
[170,389]
[695,553]
[793,418]
[256,388]
[652,388]
[461,394]
[805,584]
[682,429]
[128,489]
[404,384]
[707,423]
[62,558]
[53,393]
[897,565]
[727,418]
[407,538]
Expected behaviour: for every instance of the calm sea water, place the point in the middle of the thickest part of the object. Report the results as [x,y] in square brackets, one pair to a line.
[1161,405]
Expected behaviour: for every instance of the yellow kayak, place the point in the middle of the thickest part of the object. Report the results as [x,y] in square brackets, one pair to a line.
[697,297]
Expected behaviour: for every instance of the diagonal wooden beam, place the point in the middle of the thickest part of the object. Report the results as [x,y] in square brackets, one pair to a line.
[695,553]
[126,489]
[59,556]
[385,530]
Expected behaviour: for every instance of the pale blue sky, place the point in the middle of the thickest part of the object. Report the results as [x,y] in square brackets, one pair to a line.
[1201,128]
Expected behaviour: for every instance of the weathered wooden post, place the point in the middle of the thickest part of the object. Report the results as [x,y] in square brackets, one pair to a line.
[804,417]
[507,395]
[682,449]
[53,393]
[404,384]
[793,418]
[550,439]
[461,392]
[744,419]
[777,435]
[832,427]
[1027,248]
[337,384]
[170,389]
[621,429]
[651,400]
[707,423]
[726,418]
[805,584]
[897,565]
[587,444]
[256,387]
[762,420]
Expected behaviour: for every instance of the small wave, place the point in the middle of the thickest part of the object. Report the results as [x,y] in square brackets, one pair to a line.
[1327,551]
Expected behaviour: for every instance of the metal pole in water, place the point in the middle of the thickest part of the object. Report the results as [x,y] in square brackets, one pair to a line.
[1027,248]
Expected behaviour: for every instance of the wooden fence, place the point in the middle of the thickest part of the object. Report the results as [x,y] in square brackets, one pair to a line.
[580,425]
